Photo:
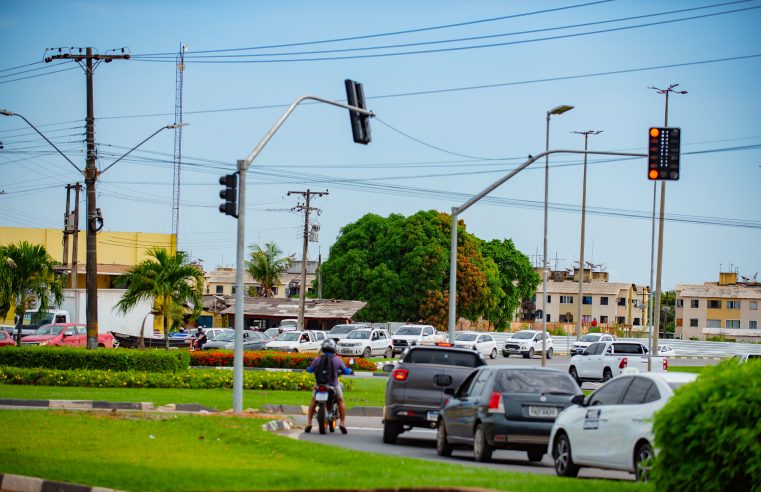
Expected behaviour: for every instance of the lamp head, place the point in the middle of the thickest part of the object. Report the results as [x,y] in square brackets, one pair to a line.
[5,112]
[560,109]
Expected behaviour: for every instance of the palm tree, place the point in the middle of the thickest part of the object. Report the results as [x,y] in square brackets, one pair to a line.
[26,274]
[168,280]
[266,266]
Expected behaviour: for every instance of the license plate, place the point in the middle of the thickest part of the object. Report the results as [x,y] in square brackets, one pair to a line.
[321,397]
[542,411]
[432,416]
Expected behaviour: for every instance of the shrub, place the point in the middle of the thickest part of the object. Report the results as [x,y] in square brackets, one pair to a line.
[208,379]
[267,358]
[102,359]
[708,434]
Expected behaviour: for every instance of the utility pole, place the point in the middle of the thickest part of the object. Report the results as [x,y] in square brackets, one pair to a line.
[319,275]
[66,227]
[306,208]
[71,227]
[94,217]
[75,247]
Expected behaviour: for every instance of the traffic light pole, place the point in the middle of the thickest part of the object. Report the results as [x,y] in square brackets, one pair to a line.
[243,166]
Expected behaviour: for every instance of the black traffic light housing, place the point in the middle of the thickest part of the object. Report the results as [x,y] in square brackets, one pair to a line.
[229,194]
[663,148]
[360,123]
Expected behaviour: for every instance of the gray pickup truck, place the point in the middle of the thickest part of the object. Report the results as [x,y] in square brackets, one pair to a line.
[415,389]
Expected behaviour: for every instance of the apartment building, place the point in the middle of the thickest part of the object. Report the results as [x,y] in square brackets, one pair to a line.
[725,308]
[222,281]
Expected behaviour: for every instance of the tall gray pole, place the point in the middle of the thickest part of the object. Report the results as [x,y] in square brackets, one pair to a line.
[239,307]
[304,250]
[453,276]
[544,259]
[650,294]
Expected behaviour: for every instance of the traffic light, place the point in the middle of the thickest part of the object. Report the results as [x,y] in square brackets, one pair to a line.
[229,195]
[360,123]
[663,154]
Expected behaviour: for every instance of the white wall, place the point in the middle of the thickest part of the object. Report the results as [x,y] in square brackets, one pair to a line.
[109,319]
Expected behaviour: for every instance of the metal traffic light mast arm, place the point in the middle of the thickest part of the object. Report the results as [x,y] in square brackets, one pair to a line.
[457,210]
[240,246]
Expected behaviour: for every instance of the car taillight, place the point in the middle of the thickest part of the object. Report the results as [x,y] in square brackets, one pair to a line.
[623,363]
[444,344]
[322,389]
[400,374]
[665,364]
[495,403]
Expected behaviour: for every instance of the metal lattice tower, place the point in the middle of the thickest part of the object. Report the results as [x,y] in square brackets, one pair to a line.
[177,144]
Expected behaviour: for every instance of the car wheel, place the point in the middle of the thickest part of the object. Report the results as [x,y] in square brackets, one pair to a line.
[643,461]
[391,431]
[493,354]
[506,354]
[531,353]
[388,353]
[535,454]
[443,448]
[574,375]
[366,353]
[550,352]
[561,455]
[481,449]
[607,375]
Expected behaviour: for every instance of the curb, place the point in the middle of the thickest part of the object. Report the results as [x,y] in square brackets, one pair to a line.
[21,483]
[302,410]
[357,374]
[106,405]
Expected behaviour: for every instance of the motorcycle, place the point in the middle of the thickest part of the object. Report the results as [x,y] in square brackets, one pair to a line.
[327,407]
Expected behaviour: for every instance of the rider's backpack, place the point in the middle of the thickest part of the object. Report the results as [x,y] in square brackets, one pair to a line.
[324,372]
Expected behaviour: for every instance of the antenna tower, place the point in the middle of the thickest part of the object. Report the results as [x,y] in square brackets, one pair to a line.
[177,144]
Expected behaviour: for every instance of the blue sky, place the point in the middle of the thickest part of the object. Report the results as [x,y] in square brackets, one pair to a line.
[449,122]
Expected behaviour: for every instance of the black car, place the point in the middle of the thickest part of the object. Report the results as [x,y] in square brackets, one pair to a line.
[504,407]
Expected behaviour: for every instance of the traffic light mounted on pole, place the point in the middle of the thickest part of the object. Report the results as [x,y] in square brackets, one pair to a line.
[229,194]
[663,154]
[360,123]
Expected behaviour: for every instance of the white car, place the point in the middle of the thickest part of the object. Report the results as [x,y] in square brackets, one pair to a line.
[480,342]
[295,341]
[411,335]
[340,331]
[582,343]
[527,343]
[612,428]
[365,343]
[666,351]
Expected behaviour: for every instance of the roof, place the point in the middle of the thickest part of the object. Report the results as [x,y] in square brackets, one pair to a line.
[736,291]
[103,269]
[590,288]
[274,307]
[227,275]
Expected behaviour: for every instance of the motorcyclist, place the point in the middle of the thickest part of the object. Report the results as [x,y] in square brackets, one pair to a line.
[331,362]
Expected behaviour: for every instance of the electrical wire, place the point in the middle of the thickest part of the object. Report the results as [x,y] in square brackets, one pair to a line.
[38,75]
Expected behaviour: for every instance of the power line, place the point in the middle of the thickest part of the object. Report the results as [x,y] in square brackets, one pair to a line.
[38,75]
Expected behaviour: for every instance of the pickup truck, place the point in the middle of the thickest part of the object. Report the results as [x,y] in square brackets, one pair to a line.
[65,335]
[295,341]
[411,335]
[415,389]
[34,319]
[602,361]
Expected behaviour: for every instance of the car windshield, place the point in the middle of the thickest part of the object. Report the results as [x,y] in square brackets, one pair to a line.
[524,335]
[358,335]
[289,336]
[341,330]
[49,330]
[288,323]
[37,318]
[591,337]
[410,330]
[445,357]
[225,336]
[532,381]
[465,337]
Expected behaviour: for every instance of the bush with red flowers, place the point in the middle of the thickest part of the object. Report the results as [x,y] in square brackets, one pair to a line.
[268,358]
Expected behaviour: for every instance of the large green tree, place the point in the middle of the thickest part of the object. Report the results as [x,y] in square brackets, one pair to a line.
[168,281]
[400,266]
[26,274]
[266,266]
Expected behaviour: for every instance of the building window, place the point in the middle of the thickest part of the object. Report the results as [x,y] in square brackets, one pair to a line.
[753,324]
[274,291]
[586,300]
[714,323]
[636,321]
[733,323]
[693,323]
[621,301]
[549,299]
[753,305]
[680,303]
[603,301]
[621,320]
[566,299]
[694,303]
[219,289]
[604,320]
[714,304]
[733,304]
[548,318]
[234,289]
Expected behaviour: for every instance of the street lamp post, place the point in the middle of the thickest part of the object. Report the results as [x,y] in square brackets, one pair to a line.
[558,110]
[583,219]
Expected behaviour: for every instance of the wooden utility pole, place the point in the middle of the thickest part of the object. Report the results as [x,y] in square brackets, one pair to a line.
[306,208]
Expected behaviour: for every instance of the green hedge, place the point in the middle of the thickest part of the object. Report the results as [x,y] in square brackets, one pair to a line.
[195,379]
[101,359]
[709,433]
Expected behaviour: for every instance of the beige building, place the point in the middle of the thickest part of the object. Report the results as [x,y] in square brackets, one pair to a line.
[725,308]
[222,281]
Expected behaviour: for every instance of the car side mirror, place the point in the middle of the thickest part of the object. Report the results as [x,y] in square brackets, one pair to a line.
[578,400]
[449,391]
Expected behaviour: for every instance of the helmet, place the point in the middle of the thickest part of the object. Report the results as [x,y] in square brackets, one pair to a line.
[329,346]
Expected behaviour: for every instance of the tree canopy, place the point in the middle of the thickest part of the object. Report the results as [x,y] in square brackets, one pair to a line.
[400,266]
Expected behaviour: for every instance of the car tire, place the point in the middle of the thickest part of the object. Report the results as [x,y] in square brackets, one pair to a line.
[535,455]
[550,352]
[388,353]
[493,354]
[481,449]
[607,374]
[530,354]
[562,458]
[366,353]
[643,460]
[506,354]
[391,431]
[574,375]
[443,448]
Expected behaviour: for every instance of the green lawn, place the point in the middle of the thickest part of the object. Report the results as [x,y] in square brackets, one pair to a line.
[365,392]
[693,369]
[193,452]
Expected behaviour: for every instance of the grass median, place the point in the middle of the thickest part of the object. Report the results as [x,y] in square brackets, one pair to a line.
[191,452]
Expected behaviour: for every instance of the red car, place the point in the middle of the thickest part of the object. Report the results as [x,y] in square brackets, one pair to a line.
[6,339]
[66,335]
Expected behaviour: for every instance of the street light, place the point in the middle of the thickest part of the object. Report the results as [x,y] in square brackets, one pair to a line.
[558,110]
